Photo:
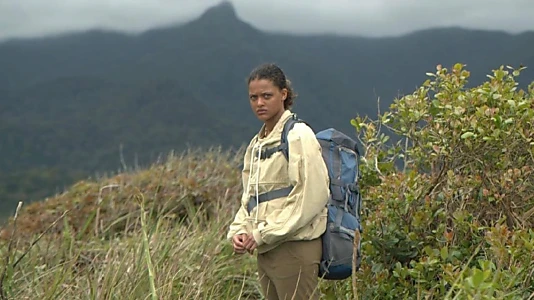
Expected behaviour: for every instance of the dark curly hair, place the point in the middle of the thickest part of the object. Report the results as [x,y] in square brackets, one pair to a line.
[275,74]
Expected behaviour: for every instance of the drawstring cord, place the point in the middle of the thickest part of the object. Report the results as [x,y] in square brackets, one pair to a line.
[258,181]
[251,168]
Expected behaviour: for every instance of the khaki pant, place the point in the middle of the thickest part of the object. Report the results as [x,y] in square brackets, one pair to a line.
[289,271]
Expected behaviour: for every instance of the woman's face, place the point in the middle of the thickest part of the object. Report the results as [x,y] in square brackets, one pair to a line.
[266,99]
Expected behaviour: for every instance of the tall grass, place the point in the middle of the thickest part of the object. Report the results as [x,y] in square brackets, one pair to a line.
[158,262]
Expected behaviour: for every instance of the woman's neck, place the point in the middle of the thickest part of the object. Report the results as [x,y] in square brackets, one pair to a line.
[269,124]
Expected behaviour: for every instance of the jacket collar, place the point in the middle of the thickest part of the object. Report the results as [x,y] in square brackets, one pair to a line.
[278,127]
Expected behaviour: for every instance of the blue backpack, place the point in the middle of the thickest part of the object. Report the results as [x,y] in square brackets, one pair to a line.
[343,228]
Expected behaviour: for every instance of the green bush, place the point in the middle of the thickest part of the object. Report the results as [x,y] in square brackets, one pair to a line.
[457,222]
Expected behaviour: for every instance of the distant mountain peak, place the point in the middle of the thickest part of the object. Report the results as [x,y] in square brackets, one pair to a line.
[222,20]
[224,10]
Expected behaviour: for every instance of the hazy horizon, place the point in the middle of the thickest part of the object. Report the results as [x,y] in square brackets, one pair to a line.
[378,18]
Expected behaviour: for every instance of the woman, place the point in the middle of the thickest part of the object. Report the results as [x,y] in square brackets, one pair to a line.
[286,231]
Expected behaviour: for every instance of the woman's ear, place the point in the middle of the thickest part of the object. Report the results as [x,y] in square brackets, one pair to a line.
[284,94]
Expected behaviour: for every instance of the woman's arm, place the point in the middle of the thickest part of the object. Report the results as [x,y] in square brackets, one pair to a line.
[238,225]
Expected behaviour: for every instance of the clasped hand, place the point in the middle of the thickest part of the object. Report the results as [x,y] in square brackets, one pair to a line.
[244,242]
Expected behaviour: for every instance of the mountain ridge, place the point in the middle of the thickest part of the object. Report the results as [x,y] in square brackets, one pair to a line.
[225,10]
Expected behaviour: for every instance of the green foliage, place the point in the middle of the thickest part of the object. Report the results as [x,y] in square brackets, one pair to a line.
[457,222]
[129,127]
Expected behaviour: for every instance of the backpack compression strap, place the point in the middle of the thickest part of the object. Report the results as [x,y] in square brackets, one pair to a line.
[279,193]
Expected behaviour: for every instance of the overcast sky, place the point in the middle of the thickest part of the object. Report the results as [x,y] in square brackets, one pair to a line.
[27,18]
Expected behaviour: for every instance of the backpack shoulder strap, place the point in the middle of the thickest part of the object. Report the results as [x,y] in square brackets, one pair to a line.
[284,144]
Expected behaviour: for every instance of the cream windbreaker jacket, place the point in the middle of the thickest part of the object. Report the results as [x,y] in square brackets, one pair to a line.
[302,214]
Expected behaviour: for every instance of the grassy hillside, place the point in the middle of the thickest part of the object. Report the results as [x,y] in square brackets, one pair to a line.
[158,230]
[155,232]
[456,223]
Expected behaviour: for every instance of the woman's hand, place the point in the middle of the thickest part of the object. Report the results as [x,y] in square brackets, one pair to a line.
[250,245]
[239,241]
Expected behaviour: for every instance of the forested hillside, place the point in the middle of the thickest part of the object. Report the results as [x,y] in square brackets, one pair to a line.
[71,105]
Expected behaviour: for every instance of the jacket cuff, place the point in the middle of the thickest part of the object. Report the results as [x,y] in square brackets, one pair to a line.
[257,237]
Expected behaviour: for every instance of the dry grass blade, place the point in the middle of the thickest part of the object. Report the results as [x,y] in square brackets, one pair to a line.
[146,247]
[39,238]
[9,248]
[355,253]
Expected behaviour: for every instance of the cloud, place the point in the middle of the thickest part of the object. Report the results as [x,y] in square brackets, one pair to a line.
[29,18]
[387,17]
